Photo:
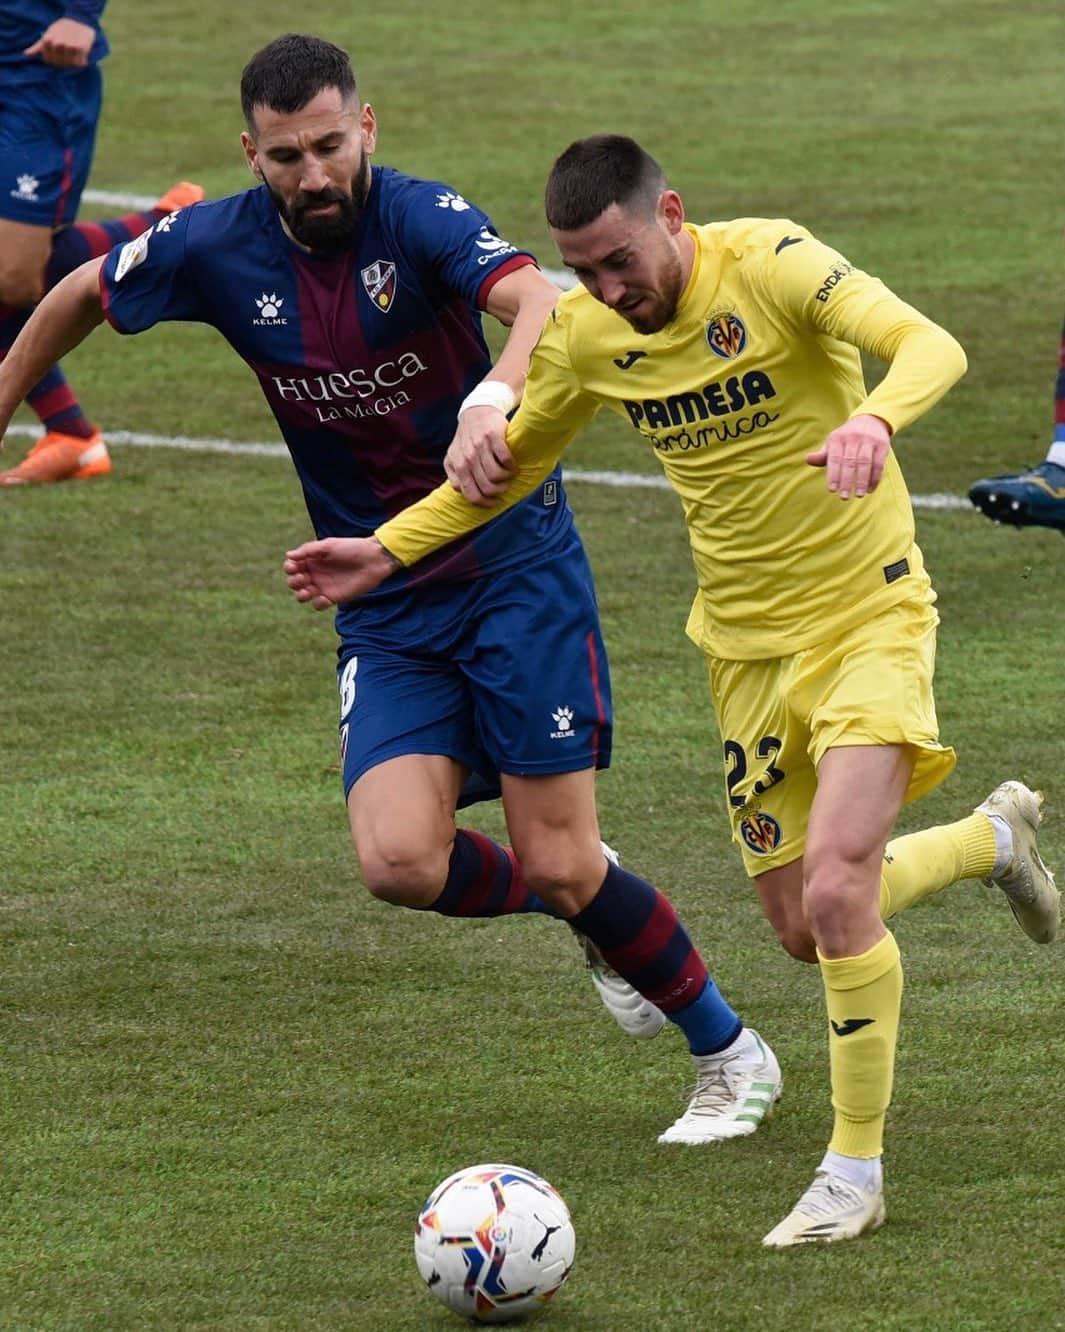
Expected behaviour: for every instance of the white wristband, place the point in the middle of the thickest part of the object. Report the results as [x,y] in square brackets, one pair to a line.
[491,393]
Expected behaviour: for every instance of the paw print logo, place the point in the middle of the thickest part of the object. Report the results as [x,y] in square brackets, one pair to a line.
[563,719]
[27,188]
[449,199]
[269,306]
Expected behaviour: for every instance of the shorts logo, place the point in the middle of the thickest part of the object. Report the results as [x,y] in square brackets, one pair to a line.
[726,335]
[379,279]
[563,719]
[760,833]
[27,189]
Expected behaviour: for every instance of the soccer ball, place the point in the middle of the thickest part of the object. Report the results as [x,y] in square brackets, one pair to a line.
[494,1242]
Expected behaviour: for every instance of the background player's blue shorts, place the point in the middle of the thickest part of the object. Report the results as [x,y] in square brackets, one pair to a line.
[47,133]
[503,674]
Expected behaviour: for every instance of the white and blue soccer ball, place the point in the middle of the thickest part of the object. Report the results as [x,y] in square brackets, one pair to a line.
[494,1242]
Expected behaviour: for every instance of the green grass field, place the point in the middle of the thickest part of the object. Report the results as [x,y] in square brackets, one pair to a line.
[229,1078]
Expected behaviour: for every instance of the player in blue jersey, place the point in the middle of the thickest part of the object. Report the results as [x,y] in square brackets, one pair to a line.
[50,93]
[355,294]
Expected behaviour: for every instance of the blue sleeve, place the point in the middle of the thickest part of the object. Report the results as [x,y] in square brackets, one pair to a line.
[85,11]
[453,240]
[153,277]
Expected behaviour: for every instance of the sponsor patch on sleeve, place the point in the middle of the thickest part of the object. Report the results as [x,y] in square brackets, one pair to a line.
[134,252]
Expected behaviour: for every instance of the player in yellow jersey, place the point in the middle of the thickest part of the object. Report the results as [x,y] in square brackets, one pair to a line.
[734,349]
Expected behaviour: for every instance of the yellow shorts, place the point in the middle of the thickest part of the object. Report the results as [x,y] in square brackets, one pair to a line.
[870,686]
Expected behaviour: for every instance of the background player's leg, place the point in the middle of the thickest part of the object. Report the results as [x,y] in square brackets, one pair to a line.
[555,832]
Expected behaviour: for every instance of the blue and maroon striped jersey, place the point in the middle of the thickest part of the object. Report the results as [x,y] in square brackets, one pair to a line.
[364,358]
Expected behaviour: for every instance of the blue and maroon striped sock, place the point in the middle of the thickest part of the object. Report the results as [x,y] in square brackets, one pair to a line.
[638,932]
[483,879]
[72,246]
[51,397]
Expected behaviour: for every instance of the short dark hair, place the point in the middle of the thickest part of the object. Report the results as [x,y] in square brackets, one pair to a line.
[290,71]
[599,171]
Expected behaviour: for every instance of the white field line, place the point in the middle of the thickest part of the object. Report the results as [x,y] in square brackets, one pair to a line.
[631,480]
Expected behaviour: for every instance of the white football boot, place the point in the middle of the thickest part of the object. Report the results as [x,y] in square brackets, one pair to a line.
[635,1015]
[1026,881]
[831,1209]
[734,1091]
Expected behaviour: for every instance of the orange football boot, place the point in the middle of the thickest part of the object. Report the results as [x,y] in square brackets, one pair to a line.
[179,196]
[58,457]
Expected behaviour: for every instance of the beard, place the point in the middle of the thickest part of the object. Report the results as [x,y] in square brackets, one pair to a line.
[329,233]
[666,300]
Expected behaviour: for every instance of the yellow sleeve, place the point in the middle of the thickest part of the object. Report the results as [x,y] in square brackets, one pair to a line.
[553,409]
[819,288]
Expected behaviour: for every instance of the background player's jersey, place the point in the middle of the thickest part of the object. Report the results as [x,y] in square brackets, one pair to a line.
[364,358]
[23,21]
[759,364]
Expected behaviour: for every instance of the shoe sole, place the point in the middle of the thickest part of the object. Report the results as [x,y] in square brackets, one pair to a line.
[1001,509]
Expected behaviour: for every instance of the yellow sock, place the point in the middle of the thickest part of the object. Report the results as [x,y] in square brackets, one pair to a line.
[924,862]
[864,998]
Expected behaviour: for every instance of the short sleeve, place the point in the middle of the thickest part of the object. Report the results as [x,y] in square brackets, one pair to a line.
[151,278]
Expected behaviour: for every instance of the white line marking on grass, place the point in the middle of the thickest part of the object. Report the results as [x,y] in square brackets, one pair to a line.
[630,480]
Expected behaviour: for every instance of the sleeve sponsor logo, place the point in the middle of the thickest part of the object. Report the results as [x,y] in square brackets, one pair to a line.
[833,280]
[134,252]
[494,246]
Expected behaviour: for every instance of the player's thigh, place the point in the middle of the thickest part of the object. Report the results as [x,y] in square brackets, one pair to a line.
[554,831]
[537,669]
[24,251]
[769,778]
[406,744]
[860,790]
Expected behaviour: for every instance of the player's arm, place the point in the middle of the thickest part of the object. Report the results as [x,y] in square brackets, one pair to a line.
[553,410]
[478,462]
[822,289]
[63,319]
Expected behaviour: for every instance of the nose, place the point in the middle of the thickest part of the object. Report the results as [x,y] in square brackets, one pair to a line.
[313,178]
[611,289]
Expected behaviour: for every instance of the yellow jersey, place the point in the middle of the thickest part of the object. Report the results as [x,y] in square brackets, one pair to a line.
[758,365]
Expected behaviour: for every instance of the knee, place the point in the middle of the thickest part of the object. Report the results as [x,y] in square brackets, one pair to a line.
[20,287]
[835,884]
[404,876]
[797,943]
[565,876]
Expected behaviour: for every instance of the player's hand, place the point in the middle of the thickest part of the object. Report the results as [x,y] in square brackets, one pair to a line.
[66,43]
[478,463]
[338,569]
[854,456]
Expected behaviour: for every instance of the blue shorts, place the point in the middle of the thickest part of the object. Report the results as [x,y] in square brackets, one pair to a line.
[47,135]
[505,674]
